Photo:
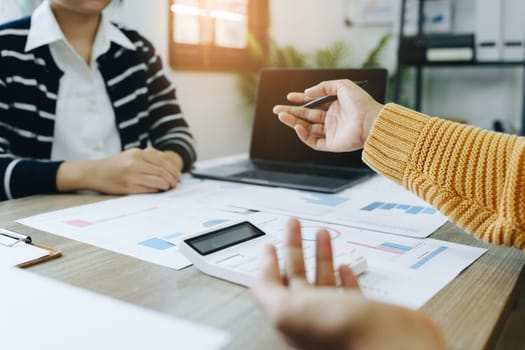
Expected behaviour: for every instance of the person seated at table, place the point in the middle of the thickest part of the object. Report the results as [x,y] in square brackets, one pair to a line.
[85,105]
[475,177]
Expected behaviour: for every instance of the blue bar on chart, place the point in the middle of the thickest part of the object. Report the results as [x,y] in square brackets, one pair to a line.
[388,247]
[157,243]
[408,209]
[428,257]
[396,247]
[414,210]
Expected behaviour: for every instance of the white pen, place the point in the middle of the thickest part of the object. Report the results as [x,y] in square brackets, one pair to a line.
[15,235]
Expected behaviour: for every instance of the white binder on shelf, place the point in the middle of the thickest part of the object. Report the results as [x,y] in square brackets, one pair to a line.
[488,30]
[513,24]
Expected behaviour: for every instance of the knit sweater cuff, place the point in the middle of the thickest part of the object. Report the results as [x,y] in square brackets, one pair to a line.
[391,141]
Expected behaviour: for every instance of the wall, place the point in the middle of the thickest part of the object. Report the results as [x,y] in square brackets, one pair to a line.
[221,124]
[210,101]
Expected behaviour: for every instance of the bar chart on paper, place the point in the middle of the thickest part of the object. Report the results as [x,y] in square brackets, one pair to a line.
[162,243]
[401,270]
[413,255]
[148,229]
[406,208]
[398,212]
[388,247]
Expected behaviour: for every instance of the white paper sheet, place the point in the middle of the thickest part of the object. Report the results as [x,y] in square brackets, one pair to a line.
[20,253]
[395,210]
[39,313]
[147,227]
[401,270]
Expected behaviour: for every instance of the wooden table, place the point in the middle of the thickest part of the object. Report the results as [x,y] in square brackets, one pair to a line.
[470,311]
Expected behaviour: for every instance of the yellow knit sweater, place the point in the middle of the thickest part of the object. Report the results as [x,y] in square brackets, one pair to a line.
[474,176]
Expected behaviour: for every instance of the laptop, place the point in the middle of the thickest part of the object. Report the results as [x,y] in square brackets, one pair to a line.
[277,157]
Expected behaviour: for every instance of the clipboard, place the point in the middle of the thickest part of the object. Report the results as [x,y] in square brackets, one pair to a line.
[19,250]
[53,254]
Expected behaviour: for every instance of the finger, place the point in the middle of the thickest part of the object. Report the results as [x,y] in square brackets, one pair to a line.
[293,254]
[270,272]
[170,179]
[268,286]
[297,97]
[324,266]
[137,189]
[168,160]
[347,277]
[154,164]
[328,87]
[311,115]
[153,181]
[174,161]
[312,135]
[317,143]
[291,120]
[301,98]
[314,130]
[163,159]
[317,131]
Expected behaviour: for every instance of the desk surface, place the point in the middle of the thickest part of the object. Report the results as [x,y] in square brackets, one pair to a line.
[470,310]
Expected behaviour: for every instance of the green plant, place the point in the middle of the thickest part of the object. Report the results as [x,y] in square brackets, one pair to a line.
[373,59]
[333,56]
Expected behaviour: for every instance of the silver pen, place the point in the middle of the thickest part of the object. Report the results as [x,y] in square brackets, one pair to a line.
[15,235]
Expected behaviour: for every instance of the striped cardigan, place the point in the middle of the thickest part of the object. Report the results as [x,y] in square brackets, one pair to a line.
[144,102]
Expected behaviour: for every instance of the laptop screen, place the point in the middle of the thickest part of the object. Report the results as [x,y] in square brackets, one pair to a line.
[275,142]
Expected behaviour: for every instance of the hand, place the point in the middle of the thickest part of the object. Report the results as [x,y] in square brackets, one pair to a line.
[129,172]
[342,126]
[322,316]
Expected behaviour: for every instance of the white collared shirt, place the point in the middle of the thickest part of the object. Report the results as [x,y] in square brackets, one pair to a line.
[85,126]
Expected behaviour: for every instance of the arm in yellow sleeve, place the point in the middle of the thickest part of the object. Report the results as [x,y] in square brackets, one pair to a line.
[474,176]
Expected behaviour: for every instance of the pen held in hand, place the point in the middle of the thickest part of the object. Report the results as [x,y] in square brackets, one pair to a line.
[328,98]
[319,101]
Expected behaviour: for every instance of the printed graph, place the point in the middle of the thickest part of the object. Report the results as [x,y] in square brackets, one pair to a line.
[427,257]
[324,199]
[388,247]
[413,257]
[171,240]
[83,223]
[406,208]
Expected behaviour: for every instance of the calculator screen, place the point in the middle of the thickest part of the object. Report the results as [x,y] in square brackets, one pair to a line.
[223,238]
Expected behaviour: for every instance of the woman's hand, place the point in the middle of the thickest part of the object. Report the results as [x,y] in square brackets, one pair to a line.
[129,172]
[325,316]
[339,126]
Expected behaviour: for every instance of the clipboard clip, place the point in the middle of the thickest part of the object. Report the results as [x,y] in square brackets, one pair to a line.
[9,238]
